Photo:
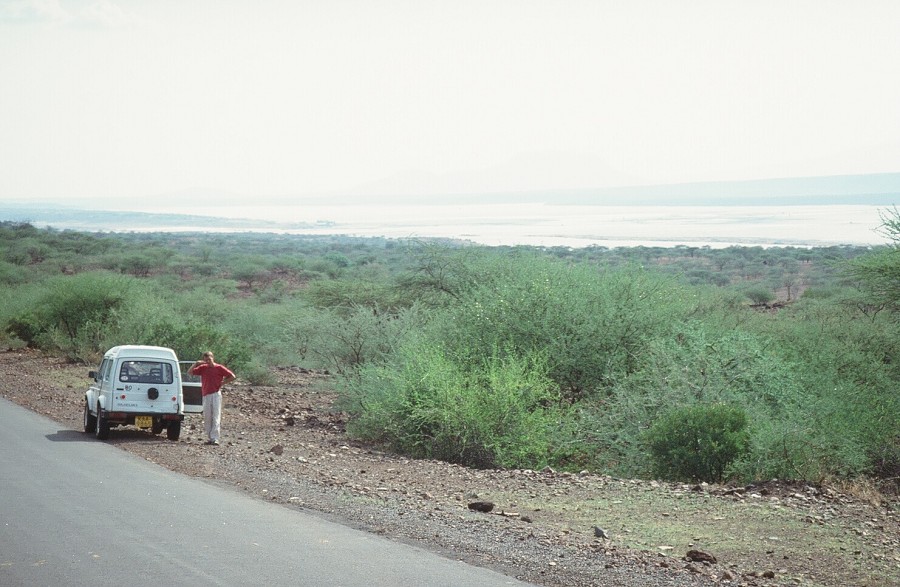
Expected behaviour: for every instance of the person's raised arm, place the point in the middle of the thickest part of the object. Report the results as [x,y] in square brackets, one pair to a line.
[196,364]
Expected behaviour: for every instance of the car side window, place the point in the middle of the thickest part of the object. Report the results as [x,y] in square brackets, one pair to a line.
[105,369]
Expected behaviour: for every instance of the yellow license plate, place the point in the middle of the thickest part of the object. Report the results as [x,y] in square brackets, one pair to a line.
[143,421]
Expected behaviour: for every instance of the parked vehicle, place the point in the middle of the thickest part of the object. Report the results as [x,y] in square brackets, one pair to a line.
[139,386]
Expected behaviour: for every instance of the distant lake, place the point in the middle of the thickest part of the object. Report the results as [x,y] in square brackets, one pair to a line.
[534,224]
[572,226]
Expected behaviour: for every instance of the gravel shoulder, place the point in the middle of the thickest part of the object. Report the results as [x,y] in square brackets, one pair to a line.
[285,444]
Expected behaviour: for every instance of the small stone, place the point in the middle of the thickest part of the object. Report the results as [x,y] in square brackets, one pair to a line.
[481,506]
[601,533]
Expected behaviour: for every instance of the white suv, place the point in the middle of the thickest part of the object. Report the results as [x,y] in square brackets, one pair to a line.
[136,385]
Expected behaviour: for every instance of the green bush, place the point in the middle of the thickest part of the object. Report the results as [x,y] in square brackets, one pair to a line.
[698,442]
[342,340]
[255,374]
[502,414]
[760,295]
[73,314]
[591,326]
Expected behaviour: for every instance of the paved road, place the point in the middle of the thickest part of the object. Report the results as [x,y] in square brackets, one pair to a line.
[75,511]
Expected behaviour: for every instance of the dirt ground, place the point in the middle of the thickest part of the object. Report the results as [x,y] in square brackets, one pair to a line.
[285,444]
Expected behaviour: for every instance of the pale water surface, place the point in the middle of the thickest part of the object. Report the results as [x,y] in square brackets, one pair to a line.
[577,226]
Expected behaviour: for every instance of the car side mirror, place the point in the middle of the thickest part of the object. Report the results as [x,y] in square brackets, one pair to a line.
[92,375]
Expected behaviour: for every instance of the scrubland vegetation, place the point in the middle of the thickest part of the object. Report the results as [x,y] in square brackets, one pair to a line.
[686,363]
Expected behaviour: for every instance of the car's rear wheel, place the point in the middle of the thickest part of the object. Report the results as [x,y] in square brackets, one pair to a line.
[174,430]
[90,421]
[102,425]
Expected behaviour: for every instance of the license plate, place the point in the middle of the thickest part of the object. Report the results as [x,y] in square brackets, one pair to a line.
[143,421]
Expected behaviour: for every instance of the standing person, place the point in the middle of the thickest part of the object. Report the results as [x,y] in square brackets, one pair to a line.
[212,377]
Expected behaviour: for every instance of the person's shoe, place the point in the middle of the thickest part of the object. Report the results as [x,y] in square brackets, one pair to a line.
[212,442]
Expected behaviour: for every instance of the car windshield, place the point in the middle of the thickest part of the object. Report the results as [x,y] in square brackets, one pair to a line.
[146,372]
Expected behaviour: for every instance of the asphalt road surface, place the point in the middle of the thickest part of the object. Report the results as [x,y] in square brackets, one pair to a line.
[75,511]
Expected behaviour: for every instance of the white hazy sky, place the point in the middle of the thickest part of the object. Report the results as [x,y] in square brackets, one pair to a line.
[102,98]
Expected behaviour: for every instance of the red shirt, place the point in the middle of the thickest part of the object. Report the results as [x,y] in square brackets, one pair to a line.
[211,376]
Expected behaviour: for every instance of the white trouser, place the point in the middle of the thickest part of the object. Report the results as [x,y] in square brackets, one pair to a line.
[212,414]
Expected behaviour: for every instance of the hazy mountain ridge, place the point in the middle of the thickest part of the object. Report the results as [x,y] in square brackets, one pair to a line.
[882,189]
[102,220]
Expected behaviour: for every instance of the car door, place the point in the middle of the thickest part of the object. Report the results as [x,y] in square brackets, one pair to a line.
[93,392]
[190,389]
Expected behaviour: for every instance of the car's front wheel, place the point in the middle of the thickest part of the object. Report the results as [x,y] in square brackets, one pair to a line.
[90,421]
[174,430]
[158,426]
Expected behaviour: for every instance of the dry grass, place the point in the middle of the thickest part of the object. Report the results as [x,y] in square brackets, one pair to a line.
[874,492]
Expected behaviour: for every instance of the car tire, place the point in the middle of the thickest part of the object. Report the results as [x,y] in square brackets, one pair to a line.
[90,420]
[173,432]
[102,426]
[158,426]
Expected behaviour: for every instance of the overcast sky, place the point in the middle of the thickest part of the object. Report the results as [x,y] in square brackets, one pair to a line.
[134,98]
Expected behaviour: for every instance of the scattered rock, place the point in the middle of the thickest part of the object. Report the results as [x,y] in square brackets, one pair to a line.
[693,568]
[277,449]
[698,556]
[481,506]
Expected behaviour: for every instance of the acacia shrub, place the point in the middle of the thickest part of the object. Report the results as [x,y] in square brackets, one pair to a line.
[588,328]
[428,403]
[344,339]
[591,325]
[697,442]
[701,361]
[846,357]
[72,314]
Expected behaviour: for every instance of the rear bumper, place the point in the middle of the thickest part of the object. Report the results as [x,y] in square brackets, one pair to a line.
[114,417]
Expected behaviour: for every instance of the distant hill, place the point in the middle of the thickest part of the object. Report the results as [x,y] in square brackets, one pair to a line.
[49,214]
